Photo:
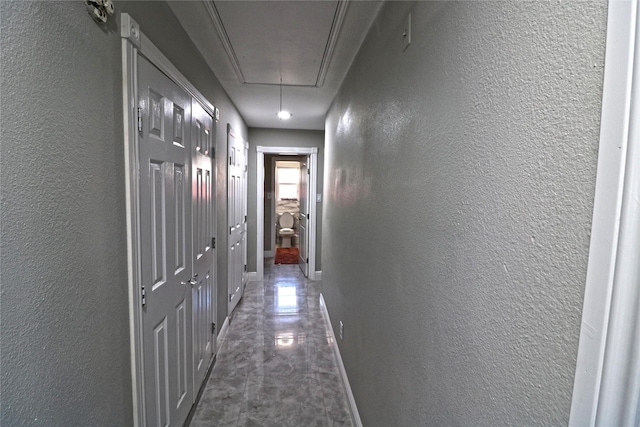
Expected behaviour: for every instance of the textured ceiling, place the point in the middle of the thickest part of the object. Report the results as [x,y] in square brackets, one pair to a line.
[251,45]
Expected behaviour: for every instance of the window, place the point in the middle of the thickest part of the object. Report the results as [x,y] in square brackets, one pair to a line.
[287,179]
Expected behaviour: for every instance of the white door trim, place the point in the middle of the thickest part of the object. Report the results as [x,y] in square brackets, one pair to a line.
[312,152]
[608,363]
[135,43]
[272,227]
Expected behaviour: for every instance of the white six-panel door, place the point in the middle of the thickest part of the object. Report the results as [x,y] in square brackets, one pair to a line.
[202,152]
[245,161]
[236,217]
[166,251]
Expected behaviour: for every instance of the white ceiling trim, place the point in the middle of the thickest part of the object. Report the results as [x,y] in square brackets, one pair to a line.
[336,26]
[224,38]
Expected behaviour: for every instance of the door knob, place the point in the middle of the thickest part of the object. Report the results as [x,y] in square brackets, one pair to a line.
[191,282]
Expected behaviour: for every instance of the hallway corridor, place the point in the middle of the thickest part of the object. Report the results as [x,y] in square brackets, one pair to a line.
[276,366]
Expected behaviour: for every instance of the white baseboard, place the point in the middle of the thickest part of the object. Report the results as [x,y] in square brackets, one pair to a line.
[318,275]
[252,276]
[223,333]
[269,254]
[343,373]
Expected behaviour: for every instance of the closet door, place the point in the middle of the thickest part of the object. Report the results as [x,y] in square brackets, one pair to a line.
[203,208]
[236,219]
[166,247]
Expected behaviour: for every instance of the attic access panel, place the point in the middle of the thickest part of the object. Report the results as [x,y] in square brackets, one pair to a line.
[273,39]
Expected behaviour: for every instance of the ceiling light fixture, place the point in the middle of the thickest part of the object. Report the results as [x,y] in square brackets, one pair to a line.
[282,114]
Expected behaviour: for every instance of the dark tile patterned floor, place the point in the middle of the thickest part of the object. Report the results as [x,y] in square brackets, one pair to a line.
[276,366]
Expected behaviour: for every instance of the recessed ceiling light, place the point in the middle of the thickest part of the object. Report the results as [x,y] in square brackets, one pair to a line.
[284,115]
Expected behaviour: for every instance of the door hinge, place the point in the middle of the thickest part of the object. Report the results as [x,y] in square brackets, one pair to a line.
[213,328]
[245,267]
[213,152]
[230,297]
[307,260]
[213,243]
[144,297]
[139,119]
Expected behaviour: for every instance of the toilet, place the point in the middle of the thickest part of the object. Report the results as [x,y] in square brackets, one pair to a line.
[286,231]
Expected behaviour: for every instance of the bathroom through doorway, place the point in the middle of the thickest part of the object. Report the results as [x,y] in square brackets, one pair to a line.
[287,177]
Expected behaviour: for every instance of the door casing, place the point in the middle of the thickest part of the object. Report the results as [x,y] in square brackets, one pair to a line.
[607,372]
[273,226]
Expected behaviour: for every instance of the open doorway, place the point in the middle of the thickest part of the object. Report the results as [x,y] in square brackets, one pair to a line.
[282,202]
[285,227]
[286,180]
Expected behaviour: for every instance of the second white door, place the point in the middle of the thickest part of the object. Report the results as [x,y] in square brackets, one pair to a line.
[303,260]
[202,208]
[237,217]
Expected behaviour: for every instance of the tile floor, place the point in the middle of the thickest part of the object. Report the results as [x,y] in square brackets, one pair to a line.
[276,366]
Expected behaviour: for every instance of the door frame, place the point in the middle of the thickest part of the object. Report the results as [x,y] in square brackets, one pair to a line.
[606,364]
[312,152]
[273,227]
[135,43]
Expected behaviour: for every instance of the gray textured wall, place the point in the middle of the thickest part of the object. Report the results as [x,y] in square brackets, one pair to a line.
[64,319]
[459,190]
[282,138]
[65,333]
